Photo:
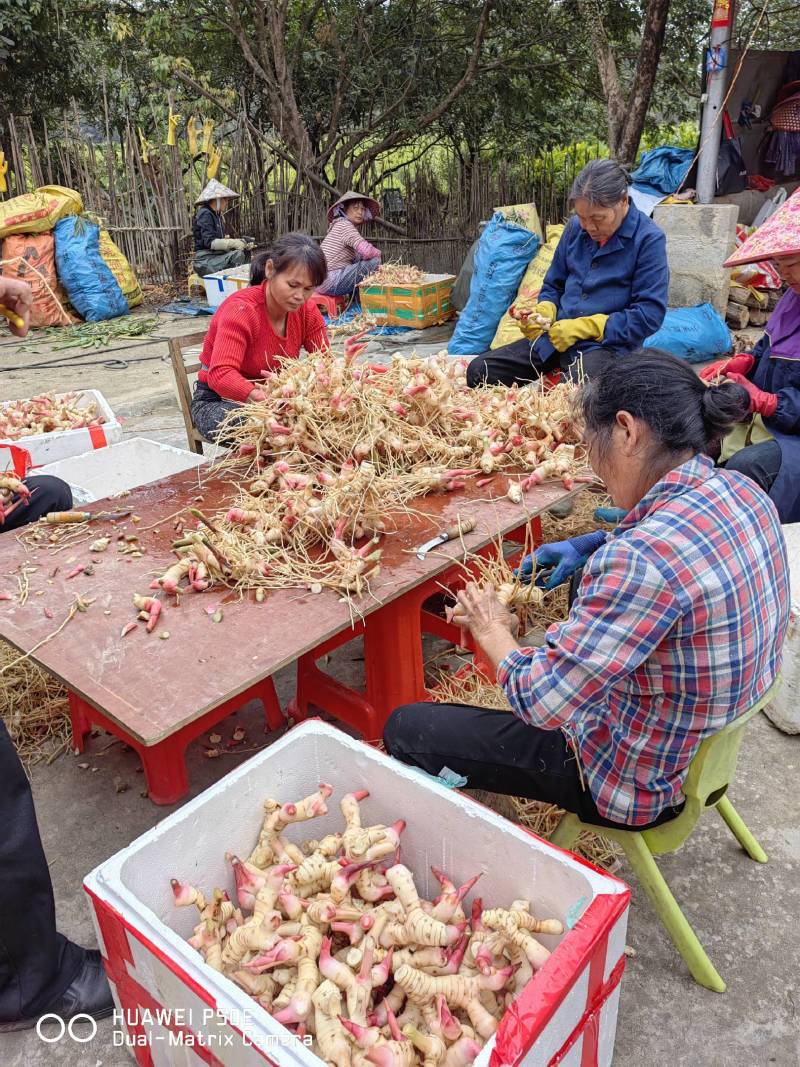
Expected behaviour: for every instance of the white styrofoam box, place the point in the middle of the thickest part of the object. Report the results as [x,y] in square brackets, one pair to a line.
[568,1009]
[784,710]
[61,444]
[136,461]
[224,282]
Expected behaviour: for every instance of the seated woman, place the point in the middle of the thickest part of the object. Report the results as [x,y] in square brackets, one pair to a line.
[214,251]
[350,257]
[605,291]
[676,629]
[259,326]
[767,446]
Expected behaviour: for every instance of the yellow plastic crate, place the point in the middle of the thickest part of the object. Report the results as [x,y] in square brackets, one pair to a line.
[417,306]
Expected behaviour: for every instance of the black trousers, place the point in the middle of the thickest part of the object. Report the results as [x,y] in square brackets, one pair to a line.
[518,362]
[761,463]
[47,494]
[208,409]
[37,964]
[496,751]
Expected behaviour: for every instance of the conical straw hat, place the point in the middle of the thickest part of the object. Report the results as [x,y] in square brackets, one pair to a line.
[779,236]
[213,191]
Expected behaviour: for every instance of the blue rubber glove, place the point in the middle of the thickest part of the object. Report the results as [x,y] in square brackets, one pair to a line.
[565,557]
[610,515]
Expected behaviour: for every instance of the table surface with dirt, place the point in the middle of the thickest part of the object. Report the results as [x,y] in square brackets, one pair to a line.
[153,686]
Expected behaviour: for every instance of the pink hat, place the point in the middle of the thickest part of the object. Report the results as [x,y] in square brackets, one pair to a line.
[779,236]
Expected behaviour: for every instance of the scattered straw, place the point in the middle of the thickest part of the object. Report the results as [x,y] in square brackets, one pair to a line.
[363,321]
[33,706]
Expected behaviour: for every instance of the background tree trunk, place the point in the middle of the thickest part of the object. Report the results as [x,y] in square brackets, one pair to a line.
[626,114]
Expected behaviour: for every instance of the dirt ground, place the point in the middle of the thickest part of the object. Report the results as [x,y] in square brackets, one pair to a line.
[743,912]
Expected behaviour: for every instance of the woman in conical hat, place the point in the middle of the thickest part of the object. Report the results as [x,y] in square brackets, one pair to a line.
[213,250]
[767,446]
[350,257]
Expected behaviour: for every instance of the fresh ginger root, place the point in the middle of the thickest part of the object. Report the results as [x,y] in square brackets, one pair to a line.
[333,939]
[331,1035]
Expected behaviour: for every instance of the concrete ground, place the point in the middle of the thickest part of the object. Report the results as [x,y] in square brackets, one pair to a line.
[743,912]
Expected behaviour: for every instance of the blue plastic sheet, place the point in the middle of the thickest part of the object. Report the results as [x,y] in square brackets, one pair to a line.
[661,170]
[504,252]
[91,287]
[378,331]
[695,334]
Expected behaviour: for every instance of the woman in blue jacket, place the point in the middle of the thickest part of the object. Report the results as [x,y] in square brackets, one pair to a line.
[605,291]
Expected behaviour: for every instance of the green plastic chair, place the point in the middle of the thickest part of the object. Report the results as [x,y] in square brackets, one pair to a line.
[707,780]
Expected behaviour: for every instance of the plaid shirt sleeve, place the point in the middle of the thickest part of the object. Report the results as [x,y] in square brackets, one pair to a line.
[623,612]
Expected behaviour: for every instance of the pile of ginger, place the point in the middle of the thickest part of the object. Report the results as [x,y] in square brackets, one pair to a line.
[334,940]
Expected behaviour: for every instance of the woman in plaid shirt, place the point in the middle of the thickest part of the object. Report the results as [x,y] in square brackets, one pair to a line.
[676,629]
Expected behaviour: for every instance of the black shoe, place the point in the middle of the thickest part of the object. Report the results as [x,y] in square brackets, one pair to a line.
[89,994]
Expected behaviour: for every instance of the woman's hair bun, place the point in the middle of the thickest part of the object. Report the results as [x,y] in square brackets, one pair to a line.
[723,407]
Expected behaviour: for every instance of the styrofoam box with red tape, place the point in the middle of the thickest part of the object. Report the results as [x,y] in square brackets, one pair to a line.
[179,1011]
[42,448]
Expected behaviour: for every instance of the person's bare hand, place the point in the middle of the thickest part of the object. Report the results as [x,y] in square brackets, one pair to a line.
[482,613]
[255,395]
[17,297]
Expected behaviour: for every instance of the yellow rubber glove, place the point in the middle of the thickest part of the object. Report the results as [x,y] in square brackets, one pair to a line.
[144,146]
[3,172]
[567,332]
[172,128]
[525,317]
[208,129]
[214,161]
[191,136]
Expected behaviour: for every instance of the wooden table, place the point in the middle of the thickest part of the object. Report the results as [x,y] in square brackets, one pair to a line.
[157,695]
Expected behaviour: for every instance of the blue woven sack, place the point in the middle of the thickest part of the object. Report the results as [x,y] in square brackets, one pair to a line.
[91,287]
[504,252]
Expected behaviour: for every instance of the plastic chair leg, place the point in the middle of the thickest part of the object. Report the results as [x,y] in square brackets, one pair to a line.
[669,912]
[567,830]
[737,827]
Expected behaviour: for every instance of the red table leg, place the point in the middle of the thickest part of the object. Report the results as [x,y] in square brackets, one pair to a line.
[164,763]
[393,663]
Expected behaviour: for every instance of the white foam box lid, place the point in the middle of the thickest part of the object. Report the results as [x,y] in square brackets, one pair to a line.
[444,828]
[61,444]
[126,465]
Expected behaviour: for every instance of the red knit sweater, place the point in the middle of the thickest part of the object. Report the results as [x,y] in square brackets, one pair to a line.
[241,344]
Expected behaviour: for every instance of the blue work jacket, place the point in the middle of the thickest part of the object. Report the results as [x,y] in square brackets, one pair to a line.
[626,278]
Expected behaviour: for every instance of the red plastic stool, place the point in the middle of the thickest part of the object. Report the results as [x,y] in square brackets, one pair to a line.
[164,763]
[332,306]
[394,670]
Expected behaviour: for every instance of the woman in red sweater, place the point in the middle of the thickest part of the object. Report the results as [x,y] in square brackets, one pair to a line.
[257,327]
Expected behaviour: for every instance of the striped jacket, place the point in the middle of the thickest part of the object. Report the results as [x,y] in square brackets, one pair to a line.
[343,245]
[676,630]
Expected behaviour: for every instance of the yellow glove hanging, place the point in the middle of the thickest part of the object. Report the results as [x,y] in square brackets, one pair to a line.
[3,172]
[172,128]
[144,146]
[191,136]
[567,332]
[214,161]
[208,129]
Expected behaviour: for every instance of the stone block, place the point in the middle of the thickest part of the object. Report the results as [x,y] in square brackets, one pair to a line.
[700,237]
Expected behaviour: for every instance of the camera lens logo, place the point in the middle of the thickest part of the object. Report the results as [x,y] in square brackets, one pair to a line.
[61,1028]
